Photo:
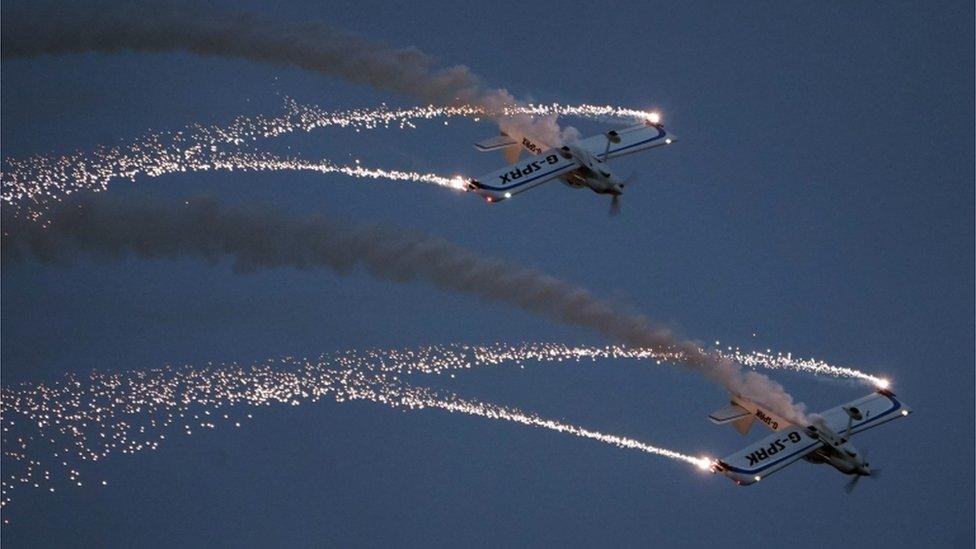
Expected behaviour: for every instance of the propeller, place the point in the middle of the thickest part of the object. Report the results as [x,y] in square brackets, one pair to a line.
[849,487]
[874,474]
[615,201]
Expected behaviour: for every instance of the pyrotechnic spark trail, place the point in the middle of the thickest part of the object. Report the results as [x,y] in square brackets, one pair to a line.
[31,184]
[436,359]
[268,162]
[56,433]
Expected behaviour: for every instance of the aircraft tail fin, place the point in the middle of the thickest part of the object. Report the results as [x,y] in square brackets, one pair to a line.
[742,413]
[743,424]
[512,154]
[755,412]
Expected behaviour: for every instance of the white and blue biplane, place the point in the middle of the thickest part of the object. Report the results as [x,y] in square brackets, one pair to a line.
[584,163]
[825,440]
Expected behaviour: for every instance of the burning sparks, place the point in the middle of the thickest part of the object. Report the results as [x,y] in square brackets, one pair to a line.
[779,361]
[268,162]
[28,185]
[56,433]
[705,463]
[53,432]
[437,358]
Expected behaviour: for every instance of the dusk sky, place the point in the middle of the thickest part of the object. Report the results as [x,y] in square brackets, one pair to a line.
[819,201]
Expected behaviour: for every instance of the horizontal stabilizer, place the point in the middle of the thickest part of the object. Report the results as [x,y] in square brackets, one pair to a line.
[495,143]
[728,414]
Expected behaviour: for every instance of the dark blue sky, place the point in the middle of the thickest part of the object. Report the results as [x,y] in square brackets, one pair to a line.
[821,196]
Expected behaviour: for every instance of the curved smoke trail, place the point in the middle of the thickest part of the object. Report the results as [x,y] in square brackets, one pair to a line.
[264,239]
[317,46]
[56,28]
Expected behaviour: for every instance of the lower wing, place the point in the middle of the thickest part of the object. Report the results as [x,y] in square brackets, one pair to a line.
[763,458]
[522,176]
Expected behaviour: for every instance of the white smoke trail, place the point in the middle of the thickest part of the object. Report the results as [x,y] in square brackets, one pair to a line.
[57,28]
[255,239]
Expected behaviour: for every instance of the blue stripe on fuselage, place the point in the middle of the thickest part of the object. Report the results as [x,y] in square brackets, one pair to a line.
[520,183]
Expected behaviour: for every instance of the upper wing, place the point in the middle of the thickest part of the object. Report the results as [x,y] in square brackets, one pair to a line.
[763,458]
[522,176]
[627,141]
[874,409]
